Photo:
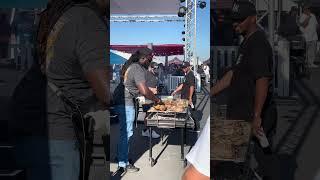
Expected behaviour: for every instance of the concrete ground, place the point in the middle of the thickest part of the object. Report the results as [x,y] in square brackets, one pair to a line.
[297,139]
[169,165]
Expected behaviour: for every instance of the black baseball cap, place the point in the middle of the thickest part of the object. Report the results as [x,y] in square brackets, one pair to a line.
[185,64]
[242,9]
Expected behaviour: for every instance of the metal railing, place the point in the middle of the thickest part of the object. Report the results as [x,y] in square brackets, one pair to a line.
[222,57]
[174,81]
[19,55]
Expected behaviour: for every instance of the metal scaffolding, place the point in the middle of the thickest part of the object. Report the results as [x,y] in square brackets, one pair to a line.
[191,32]
[145,18]
[271,18]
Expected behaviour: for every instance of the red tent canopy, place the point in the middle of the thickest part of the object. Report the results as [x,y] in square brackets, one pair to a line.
[159,50]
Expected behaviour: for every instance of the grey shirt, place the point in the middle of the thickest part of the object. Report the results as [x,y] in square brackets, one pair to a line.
[76,45]
[133,76]
[152,80]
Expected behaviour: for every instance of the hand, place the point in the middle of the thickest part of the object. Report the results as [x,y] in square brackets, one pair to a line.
[159,102]
[154,90]
[256,126]
[173,93]
[191,103]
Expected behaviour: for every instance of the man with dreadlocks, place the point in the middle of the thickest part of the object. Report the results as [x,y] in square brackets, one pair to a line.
[72,53]
[133,84]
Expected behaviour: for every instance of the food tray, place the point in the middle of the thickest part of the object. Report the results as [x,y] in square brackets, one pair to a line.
[169,120]
[168,112]
[230,140]
[180,103]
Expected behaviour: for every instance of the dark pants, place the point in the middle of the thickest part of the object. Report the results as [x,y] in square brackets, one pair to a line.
[4,47]
[267,162]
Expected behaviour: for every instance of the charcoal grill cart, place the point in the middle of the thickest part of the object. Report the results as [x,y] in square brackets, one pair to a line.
[169,120]
[231,142]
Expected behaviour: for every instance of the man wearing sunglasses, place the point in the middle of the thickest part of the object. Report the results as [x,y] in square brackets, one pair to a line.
[249,95]
[133,84]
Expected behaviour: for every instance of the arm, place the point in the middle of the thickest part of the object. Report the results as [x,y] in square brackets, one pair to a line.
[93,55]
[98,80]
[153,90]
[179,88]
[260,97]
[305,22]
[146,92]
[191,173]
[191,90]
[222,84]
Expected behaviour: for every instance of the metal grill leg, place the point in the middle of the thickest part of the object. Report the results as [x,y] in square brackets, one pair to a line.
[182,143]
[152,161]
[150,144]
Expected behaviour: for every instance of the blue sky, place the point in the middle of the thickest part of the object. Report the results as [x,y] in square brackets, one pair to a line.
[163,33]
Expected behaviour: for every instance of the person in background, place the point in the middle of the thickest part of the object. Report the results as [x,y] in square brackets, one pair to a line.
[152,84]
[199,157]
[289,28]
[308,26]
[161,72]
[187,88]
[207,73]
[5,33]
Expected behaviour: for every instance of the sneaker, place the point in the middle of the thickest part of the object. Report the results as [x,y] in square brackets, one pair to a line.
[131,168]
[120,172]
[146,133]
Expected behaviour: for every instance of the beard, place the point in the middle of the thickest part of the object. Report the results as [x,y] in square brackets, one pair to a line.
[145,65]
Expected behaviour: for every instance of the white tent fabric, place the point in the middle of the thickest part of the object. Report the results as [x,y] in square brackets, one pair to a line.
[122,54]
[130,7]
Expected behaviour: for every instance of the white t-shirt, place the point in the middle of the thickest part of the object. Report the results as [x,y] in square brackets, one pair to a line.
[310,31]
[199,156]
[206,70]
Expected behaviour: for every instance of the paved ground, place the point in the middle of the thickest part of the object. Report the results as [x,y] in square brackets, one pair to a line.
[169,165]
[297,140]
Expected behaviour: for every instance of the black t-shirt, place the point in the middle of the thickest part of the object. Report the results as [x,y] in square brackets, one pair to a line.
[152,80]
[254,61]
[189,80]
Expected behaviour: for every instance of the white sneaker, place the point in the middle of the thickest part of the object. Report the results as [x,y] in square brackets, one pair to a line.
[146,133]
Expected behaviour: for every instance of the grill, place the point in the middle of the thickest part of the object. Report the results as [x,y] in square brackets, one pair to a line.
[169,120]
[230,140]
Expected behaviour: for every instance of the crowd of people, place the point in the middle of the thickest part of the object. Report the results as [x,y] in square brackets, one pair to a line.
[307,25]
